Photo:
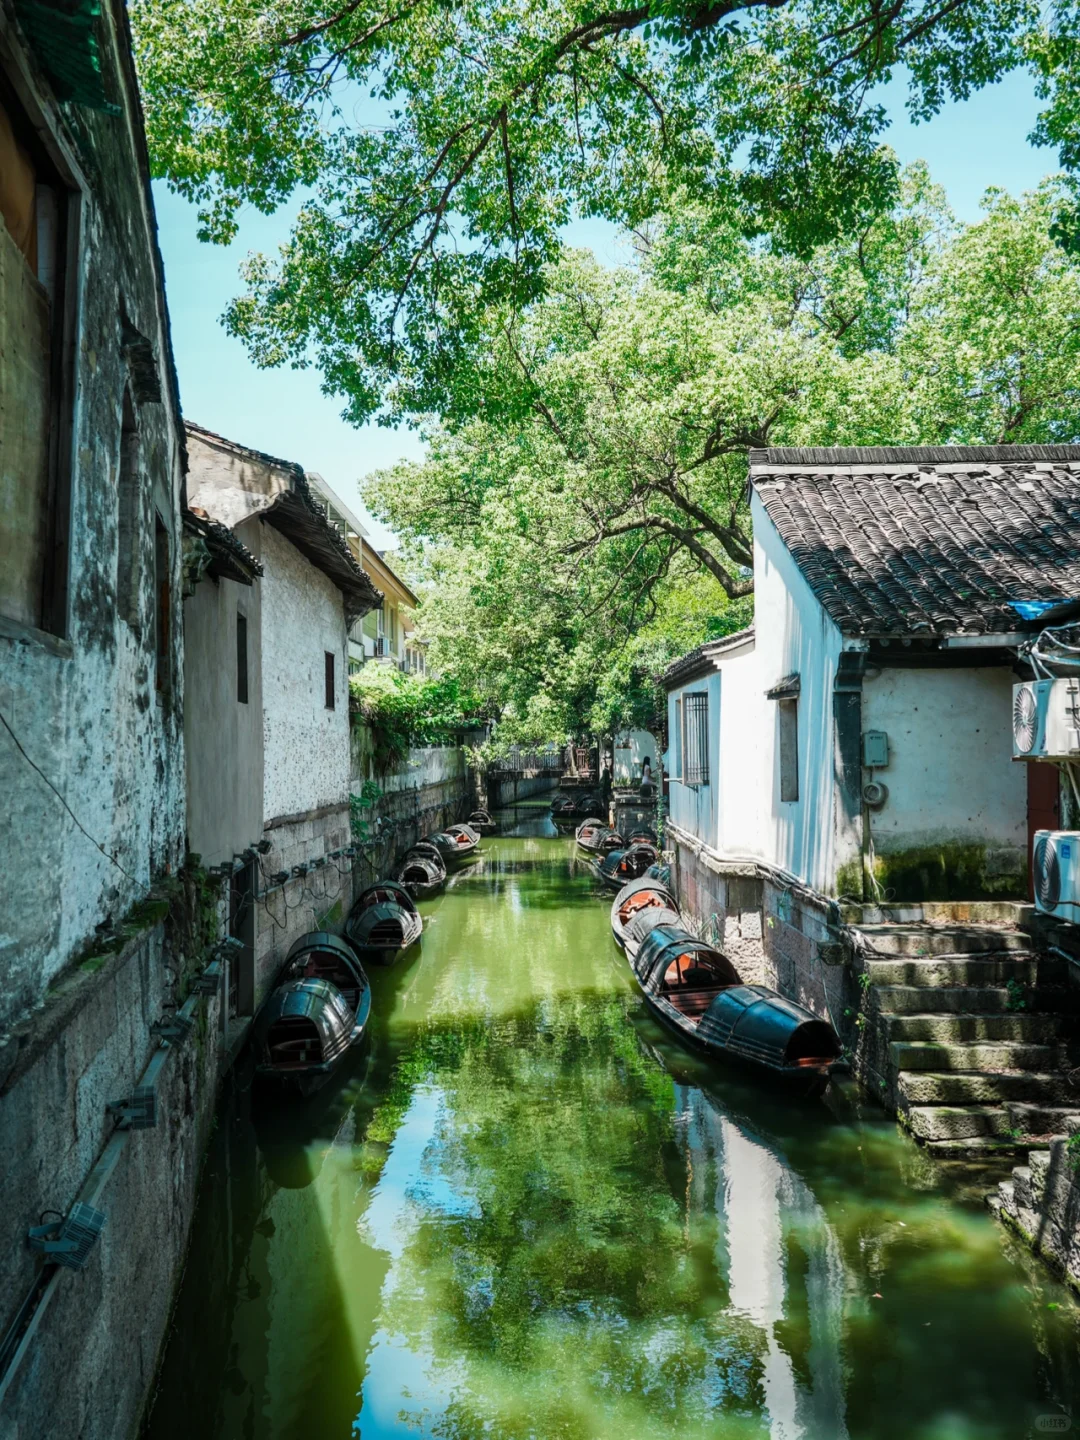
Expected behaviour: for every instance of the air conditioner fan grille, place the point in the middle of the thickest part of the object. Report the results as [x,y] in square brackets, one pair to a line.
[1025,719]
[1047,873]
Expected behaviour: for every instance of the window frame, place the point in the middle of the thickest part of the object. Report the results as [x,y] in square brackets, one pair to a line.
[242,659]
[788,748]
[695,752]
[36,126]
[329,680]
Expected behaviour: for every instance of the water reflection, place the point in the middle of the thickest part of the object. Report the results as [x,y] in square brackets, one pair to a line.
[526,1214]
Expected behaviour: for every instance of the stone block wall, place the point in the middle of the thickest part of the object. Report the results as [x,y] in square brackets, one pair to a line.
[319,900]
[93,1357]
[506,787]
[774,933]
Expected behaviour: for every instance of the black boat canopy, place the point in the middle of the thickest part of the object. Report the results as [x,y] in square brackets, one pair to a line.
[378,894]
[757,1024]
[323,956]
[382,917]
[647,884]
[643,921]
[281,1034]
[663,945]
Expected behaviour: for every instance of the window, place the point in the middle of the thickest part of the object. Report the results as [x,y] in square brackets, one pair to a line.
[35,390]
[163,607]
[677,741]
[695,746]
[789,749]
[330,698]
[241,659]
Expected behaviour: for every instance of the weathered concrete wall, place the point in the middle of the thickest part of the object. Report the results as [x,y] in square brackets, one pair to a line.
[305,745]
[94,1356]
[955,822]
[223,736]
[84,702]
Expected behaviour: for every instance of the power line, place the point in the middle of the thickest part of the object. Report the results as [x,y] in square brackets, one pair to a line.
[34,766]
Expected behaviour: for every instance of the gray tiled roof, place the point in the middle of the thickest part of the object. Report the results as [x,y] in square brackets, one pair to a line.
[927,540]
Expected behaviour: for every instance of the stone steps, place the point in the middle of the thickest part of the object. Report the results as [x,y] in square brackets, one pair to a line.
[978,970]
[976,1087]
[973,1064]
[1013,1029]
[964,999]
[942,940]
[925,1055]
[1010,1121]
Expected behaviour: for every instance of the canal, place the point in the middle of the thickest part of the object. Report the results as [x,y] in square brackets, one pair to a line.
[524,1213]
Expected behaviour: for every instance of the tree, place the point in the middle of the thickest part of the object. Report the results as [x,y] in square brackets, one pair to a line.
[559,541]
[441,148]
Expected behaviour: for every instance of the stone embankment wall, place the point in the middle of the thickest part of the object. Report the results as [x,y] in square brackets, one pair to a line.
[433,789]
[775,931]
[91,1359]
[507,787]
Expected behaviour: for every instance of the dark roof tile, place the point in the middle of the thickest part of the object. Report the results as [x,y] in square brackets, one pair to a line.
[928,540]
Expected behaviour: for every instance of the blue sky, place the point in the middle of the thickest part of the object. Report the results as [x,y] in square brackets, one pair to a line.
[969,147]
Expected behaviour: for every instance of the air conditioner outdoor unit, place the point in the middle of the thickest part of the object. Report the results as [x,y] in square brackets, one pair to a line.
[1055,868]
[1046,719]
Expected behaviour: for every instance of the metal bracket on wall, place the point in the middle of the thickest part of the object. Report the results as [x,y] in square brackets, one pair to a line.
[138,1111]
[68,1242]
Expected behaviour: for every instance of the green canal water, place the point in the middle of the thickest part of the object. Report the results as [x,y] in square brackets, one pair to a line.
[524,1213]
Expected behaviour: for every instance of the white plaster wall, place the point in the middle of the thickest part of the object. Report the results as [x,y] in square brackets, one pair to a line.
[795,635]
[305,746]
[742,814]
[696,808]
[951,775]
[628,762]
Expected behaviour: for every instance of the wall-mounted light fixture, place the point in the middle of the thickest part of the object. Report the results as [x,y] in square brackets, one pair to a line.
[138,1111]
[172,1029]
[68,1242]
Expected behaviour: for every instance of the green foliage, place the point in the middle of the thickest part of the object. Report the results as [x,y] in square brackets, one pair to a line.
[360,807]
[1016,995]
[1072,1152]
[593,524]
[405,710]
[442,148]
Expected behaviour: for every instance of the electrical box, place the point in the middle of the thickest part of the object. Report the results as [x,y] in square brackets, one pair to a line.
[875,749]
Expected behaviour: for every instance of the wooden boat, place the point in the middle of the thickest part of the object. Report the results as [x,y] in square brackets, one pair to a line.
[660,871]
[642,835]
[587,805]
[481,820]
[321,955]
[618,866]
[304,1030]
[456,842]
[422,875]
[635,898]
[696,991]
[383,922]
[597,837]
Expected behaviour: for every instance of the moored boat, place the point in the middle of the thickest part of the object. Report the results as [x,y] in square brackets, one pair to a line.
[321,955]
[304,1030]
[635,898]
[642,835]
[422,874]
[616,867]
[383,921]
[455,843]
[694,989]
[597,837]
[482,821]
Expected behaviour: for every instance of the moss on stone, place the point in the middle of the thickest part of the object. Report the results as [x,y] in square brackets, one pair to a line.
[950,870]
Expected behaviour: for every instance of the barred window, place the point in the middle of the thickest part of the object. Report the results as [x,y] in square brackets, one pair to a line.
[677,766]
[695,746]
